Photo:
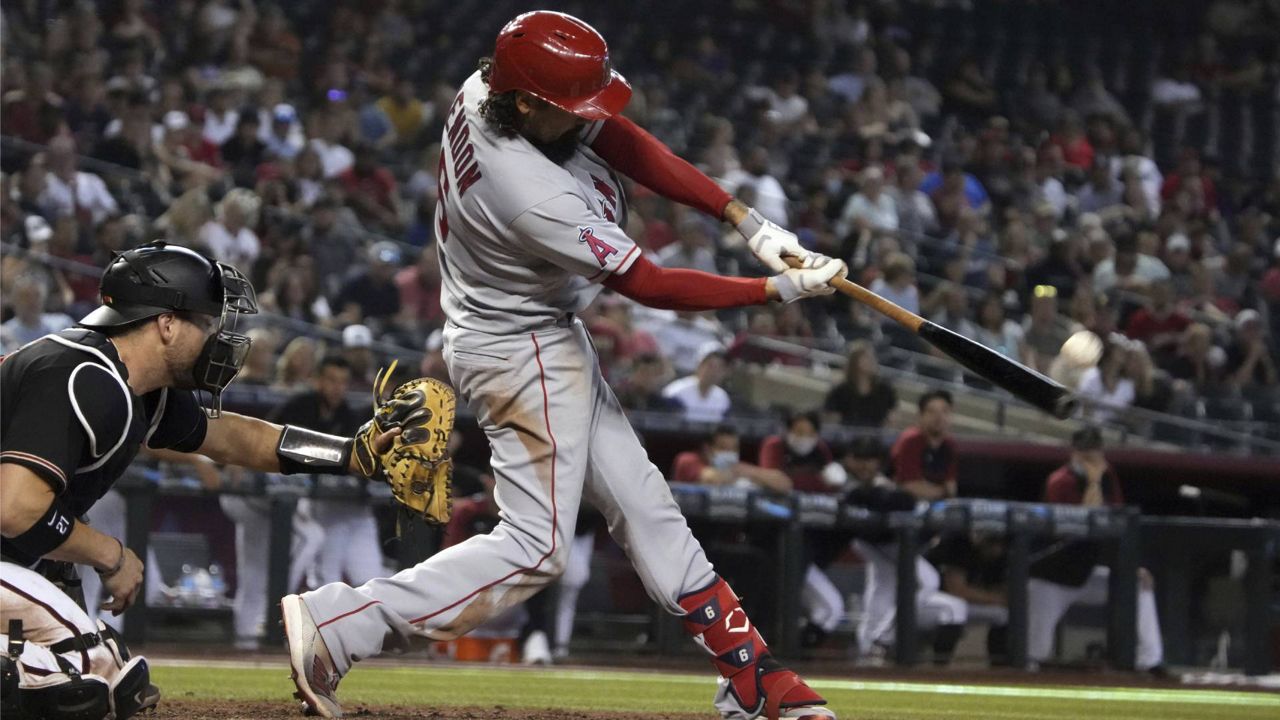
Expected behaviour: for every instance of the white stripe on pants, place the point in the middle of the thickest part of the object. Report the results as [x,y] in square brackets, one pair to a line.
[556,432]
[1049,601]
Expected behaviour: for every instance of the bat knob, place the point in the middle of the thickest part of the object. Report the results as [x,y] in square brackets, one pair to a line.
[1065,406]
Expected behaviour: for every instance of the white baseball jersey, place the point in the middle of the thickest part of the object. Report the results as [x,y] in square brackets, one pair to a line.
[522,241]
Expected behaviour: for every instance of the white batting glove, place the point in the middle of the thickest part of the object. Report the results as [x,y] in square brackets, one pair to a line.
[796,283]
[770,242]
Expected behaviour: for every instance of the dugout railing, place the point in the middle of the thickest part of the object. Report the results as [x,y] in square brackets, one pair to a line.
[1176,549]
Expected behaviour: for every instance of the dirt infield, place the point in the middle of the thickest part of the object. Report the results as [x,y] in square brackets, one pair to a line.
[230,710]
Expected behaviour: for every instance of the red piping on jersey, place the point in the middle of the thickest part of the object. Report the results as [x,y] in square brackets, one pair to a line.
[363,607]
[555,516]
[643,158]
[84,654]
[680,289]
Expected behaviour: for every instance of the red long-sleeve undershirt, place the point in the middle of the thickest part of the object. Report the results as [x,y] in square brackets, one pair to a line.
[643,158]
[680,289]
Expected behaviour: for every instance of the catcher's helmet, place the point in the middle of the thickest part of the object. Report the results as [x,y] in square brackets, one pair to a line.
[157,278]
[559,59]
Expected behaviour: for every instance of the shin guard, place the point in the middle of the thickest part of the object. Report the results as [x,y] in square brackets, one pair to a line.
[754,679]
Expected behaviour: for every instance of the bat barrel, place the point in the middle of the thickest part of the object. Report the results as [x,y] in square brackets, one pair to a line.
[1020,380]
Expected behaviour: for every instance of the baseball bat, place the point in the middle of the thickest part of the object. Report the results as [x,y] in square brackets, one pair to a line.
[1023,382]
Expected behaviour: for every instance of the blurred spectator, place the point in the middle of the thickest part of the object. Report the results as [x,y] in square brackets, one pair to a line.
[871,209]
[406,113]
[700,394]
[419,287]
[1128,269]
[1177,257]
[296,364]
[1044,329]
[924,456]
[1152,387]
[1106,388]
[1159,324]
[770,198]
[244,151]
[230,238]
[642,388]
[220,118]
[68,191]
[719,462]
[326,141]
[1197,360]
[32,110]
[863,398]
[259,366]
[898,284]
[283,136]
[1068,573]
[1251,364]
[916,216]
[372,294]
[357,353]
[27,297]
[683,339]
[995,330]
[693,246]
[371,190]
[1102,191]
[968,94]
[803,455]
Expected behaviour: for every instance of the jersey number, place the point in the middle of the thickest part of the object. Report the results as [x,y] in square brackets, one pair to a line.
[442,194]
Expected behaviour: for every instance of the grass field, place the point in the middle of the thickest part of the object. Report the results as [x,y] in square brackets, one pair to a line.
[667,694]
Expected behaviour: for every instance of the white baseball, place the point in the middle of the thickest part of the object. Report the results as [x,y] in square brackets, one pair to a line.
[1082,349]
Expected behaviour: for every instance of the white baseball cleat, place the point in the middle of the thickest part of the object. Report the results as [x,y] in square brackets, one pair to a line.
[309,660]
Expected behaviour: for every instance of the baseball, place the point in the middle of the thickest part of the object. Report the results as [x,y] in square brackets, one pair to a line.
[1082,349]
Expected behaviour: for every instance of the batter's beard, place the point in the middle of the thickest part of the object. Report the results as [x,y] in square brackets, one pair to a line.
[560,150]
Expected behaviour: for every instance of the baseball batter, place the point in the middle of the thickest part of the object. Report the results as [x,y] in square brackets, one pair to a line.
[528,228]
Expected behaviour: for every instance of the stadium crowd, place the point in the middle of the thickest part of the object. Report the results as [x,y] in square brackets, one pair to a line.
[1008,170]
[1013,191]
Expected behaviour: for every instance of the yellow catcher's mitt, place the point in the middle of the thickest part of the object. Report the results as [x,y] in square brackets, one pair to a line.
[416,464]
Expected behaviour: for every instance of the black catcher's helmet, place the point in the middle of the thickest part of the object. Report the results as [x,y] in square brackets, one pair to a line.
[157,278]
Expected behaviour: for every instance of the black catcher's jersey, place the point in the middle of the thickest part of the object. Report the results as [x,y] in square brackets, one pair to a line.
[68,415]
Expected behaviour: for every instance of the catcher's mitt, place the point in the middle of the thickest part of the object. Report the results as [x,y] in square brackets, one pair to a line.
[416,464]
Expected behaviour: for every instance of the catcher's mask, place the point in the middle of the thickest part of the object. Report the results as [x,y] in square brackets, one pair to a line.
[157,278]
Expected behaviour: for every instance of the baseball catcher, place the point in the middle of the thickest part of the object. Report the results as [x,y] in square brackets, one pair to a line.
[148,366]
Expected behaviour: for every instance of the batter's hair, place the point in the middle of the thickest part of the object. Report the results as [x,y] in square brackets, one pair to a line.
[498,109]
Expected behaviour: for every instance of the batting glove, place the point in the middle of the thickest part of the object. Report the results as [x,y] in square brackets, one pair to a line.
[770,242]
[796,283]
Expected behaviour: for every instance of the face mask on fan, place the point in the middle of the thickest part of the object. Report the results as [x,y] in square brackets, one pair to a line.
[802,445]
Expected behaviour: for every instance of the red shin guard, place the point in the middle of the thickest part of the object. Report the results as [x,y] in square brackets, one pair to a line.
[717,621]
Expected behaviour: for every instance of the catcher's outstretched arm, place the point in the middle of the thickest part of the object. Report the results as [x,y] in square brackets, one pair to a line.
[235,439]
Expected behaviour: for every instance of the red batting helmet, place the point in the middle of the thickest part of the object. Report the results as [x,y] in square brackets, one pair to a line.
[559,59]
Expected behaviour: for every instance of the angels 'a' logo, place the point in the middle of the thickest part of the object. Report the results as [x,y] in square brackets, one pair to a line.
[741,615]
[601,249]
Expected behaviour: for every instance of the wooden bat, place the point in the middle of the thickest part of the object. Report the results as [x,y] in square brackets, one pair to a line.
[1023,382]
